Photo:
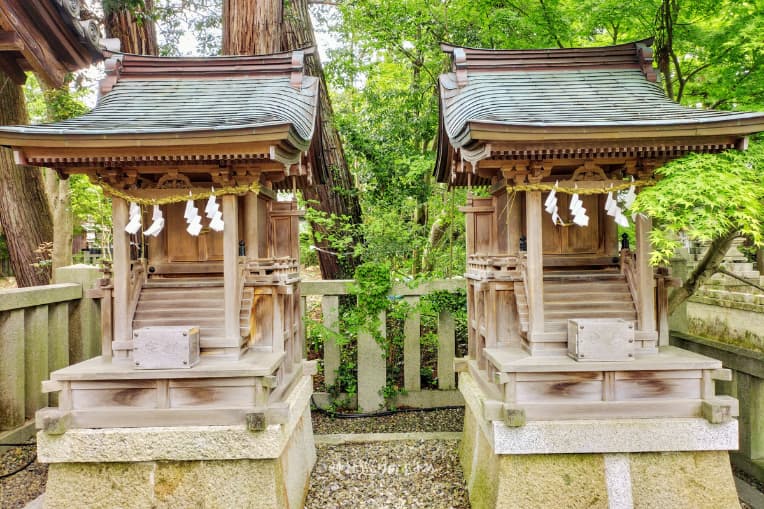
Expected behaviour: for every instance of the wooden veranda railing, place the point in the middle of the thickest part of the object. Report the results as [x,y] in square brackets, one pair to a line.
[371,362]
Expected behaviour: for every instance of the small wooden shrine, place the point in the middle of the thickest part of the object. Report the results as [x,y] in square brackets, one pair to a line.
[567,321]
[201,317]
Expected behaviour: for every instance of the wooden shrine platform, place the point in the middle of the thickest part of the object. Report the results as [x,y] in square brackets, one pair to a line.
[99,393]
[671,383]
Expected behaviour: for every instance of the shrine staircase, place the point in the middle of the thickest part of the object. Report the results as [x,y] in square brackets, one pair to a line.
[579,294]
[190,301]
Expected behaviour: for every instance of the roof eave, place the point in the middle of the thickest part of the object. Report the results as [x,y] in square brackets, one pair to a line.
[20,138]
[482,131]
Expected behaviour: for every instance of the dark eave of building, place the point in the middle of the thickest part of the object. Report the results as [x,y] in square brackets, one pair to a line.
[47,37]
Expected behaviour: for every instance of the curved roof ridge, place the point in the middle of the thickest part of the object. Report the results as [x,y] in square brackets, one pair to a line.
[632,55]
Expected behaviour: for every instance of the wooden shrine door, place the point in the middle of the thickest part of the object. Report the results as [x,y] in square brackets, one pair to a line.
[573,239]
[182,247]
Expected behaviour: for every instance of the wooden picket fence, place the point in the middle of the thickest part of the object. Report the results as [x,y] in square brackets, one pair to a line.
[371,362]
[42,328]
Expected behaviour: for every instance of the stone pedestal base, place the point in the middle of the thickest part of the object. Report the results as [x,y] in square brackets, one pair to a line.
[194,466]
[626,463]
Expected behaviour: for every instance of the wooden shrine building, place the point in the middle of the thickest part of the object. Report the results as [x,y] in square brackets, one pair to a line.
[201,317]
[566,320]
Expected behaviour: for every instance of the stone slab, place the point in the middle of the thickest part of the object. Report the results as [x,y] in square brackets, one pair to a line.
[599,435]
[186,443]
[616,435]
[643,480]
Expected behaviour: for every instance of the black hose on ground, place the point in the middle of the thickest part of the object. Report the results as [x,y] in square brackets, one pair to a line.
[382,413]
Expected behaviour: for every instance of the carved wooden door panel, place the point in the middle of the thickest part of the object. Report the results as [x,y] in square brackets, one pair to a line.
[572,239]
[585,240]
[551,234]
[182,247]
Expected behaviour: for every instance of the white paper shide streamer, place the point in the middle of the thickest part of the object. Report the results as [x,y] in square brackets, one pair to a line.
[579,212]
[212,210]
[550,205]
[134,224]
[193,219]
[157,223]
[612,207]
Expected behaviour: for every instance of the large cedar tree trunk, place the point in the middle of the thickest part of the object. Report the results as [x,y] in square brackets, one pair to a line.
[135,29]
[263,26]
[24,210]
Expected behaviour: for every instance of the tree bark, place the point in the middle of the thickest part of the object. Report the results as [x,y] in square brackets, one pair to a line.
[267,26]
[252,27]
[338,196]
[57,190]
[707,267]
[135,29]
[24,210]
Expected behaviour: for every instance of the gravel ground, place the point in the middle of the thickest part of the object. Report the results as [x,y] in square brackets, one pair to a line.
[436,420]
[388,475]
[18,490]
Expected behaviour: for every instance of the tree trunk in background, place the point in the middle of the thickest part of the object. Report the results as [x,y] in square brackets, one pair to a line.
[706,268]
[258,27]
[57,190]
[252,27]
[24,210]
[338,195]
[135,30]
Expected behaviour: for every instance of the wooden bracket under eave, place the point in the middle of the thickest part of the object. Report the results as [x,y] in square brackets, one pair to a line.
[20,158]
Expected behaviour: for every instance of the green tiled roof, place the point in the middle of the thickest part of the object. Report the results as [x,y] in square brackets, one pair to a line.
[187,105]
[570,98]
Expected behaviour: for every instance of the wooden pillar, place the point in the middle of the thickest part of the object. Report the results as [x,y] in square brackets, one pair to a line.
[231,269]
[534,263]
[251,226]
[514,224]
[121,270]
[645,279]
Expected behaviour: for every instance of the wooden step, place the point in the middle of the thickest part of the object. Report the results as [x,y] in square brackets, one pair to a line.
[596,313]
[596,287]
[181,294]
[183,283]
[197,321]
[588,306]
[551,297]
[201,306]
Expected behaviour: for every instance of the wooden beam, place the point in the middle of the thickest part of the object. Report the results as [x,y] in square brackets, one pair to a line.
[37,50]
[121,270]
[231,269]
[12,70]
[10,41]
[251,226]
[645,278]
[534,263]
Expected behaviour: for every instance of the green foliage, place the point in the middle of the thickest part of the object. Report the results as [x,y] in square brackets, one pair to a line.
[706,196]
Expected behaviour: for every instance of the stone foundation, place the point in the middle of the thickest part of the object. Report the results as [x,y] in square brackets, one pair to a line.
[612,468]
[196,466]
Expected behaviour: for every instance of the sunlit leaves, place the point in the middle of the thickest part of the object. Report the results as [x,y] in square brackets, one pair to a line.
[706,197]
